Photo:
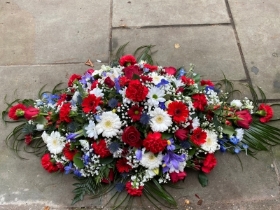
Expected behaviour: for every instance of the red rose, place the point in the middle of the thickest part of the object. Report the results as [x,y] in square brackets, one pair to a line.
[28,139]
[170,70]
[131,136]
[101,149]
[136,91]
[73,78]
[64,113]
[31,112]
[68,152]
[127,60]
[110,83]
[266,112]
[49,164]
[89,71]
[209,163]
[199,101]
[90,103]
[154,143]
[181,134]
[199,136]
[206,83]
[175,177]
[110,177]
[150,67]
[122,166]
[133,191]
[16,111]
[131,70]
[244,118]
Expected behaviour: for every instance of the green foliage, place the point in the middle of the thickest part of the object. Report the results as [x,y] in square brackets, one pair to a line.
[203,179]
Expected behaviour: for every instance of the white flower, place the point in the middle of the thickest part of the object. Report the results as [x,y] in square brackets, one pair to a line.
[150,161]
[149,174]
[109,125]
[40,127]
[195,123]
[160,120]
[75,96]
[97,92]
[55,142]
[211,144]
[45,136]
[239,133]
[155,96]
[91,130]
[236,103]
[156,78]
[84,144]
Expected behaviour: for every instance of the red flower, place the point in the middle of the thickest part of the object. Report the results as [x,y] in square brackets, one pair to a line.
[136,91]
[175,177]
[73,78]
[130,71]
[28,139]
[244,119]
[101,149]
[199,136]
[94,84]
[266,112]
[206,83]
[90,103]
[181,134]
[68,152]
[62,98]
[109,82]
[122,166]
[199,101]
[31,112]
[135,112]
[154,143]
[64,113]
[16,111]
[170,70]
[179,111]
[90,71]
[127,60]
[123,81]
[150,67]
[187,81]
[110,177]
[49,164]
[131,136]
[133,191]
[146,78]
[209,163]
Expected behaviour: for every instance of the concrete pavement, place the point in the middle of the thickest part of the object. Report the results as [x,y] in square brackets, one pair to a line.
[43,42]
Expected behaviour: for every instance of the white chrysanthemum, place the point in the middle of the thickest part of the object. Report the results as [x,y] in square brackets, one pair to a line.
[150,161]
[40,127]
[149,174]
[84,144]
[97,92]
[109,125]
[91,130]
[236,103]
[195,123]
[156,78]
[155,96]
[55,142]
[211,144]
[45,136]
[160,120]
[239,133]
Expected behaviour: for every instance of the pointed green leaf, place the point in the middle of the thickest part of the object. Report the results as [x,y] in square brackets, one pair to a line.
[203,179]
[77,159]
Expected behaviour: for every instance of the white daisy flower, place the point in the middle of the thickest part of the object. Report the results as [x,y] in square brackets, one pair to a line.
[55,142]
[97,92]
[160,120]
[156,78]
[236,103]
[109,124]
[155,96]
[150,161]
[211,144]
[91,130]
[178,83]
[45,136]
[84,144]
[149,174]
[239,133]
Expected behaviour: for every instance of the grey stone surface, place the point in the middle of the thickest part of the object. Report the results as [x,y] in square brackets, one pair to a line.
[257,23]
[147,12]
[36,32]
[212,49]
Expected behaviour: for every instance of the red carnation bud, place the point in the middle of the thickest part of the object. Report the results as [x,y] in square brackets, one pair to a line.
[266,113]
[175,177]
[181,134]
[170,70]
[31,112]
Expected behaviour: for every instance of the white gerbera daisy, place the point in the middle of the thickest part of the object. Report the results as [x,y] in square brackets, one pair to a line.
[91,130]
[239,133]
[160,120]
[155,96]
[45,136]
[109,124]
[97,92]
[55,142]
[150,161]
[156,78]
[211,144]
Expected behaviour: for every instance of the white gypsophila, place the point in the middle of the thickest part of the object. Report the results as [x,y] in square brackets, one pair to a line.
[155,96]
[239,133]
[45,136]
[156,78]
[74,108]
[84,144]
[150,161]
[97,92]
[109,125]
[40,127]
[211,144]
[195,123]
[247,104]
[55,142]
[124,98]
[236,103]
[91,130]
[212,97]
[160,120]
[118,153]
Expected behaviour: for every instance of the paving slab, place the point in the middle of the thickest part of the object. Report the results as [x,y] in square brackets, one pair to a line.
[36,32]
[258,27]
[164,12]
[212,49]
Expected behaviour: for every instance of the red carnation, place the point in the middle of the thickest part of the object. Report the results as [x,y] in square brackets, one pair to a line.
[209,163]
[68,152]
[73,78]
[187,81]
[101,149]
[123,81]
[49,164]
[133,191]
[170,70]
[110,177]
[244,118]
[94,84]
[61,99]
[266,112]
[154,143]
[199,136]
[206,83]
[179,111]
[181,134]
[90,103]
[64,113]
[199,101]
[127,60]
[135,112]
[146,78]
[31,112]
[122,166]
[136,91]
[175,177]
[130,71]
[16,111]
[109,82]
[28,139]
[150,67]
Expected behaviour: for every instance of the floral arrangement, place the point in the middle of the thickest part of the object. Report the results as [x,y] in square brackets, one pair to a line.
[135,126]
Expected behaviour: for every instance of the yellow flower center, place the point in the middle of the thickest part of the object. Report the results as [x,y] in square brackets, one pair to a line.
[108,124]
[159,119]
[168,142]
[151,157]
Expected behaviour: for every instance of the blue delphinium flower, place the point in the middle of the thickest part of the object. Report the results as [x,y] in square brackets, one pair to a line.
[138,154]
[170,145]
[237,149]
[117,85]
[86,159]
[162,83]
[234,140]
[113,103]
[69,168]
[77,173]
[162,105]
[114,147]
